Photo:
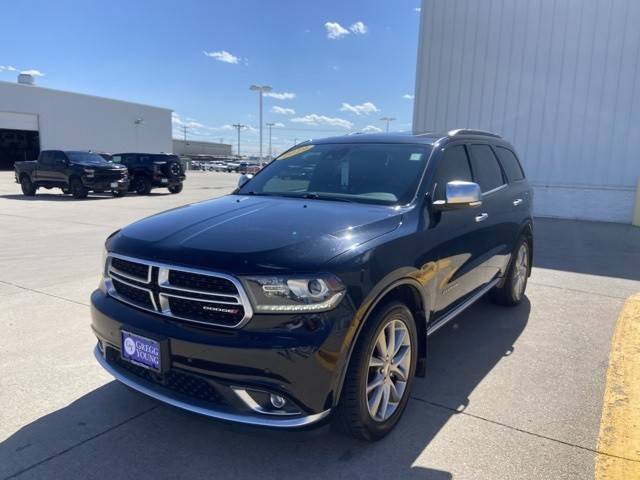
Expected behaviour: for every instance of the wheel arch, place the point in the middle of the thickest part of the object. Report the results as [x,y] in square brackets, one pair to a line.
[410,292]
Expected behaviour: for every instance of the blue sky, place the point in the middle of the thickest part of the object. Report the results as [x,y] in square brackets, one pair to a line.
[344,64]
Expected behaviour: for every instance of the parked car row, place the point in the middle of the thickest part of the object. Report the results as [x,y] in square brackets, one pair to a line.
[229,167]
[80,172]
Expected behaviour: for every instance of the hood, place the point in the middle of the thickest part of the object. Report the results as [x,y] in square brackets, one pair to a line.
[254,234]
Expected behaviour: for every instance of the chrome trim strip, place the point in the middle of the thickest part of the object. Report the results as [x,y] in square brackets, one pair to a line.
[251,403]
[203,300]
[163,275]
[461,308]
[140,386]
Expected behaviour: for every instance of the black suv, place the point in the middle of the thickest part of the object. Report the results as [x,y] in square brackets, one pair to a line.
[152,170]
[75,172]
[300,298]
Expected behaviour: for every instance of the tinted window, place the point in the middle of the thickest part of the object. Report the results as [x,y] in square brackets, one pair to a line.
[510,164]
[454,165]
[371,173]
[116,159]
[45,158]
[485,166]
[59,158]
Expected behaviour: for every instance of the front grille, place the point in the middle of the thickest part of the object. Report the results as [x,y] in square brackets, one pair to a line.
[109,175]
[187,295]
[131,269]
[204,283]
[175,380]
[206,311]
[133,294]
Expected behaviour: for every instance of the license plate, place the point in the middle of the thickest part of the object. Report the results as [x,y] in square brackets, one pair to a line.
[164,180]
[142,351]
[114,184]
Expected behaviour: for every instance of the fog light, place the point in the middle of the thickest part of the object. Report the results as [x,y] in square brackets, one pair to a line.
[277,401]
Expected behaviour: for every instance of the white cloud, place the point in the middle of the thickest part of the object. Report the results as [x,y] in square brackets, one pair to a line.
[408,96]
[358,28]
[371,129]
[8,68]
[222,56]
[278,124]
[33,72]
[281,96]
[282,110]
[417,9]
[363,109]
[335,30]
[316,120]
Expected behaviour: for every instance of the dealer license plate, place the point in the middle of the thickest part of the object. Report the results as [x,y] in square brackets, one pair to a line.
[140,350]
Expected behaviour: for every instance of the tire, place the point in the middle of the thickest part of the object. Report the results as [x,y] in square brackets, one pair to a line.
[28,187]
[511,292]
[77,189]
[176,188]
[356,413]
[142,185]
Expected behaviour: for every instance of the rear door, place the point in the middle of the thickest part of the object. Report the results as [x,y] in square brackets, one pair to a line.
[493,216]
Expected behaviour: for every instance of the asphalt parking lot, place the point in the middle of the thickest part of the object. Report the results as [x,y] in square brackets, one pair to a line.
[510,393]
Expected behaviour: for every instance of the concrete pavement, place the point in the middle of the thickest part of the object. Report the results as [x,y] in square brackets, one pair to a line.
[510,393]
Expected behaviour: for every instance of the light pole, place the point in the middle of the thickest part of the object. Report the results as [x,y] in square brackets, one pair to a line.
[262,89]
[270,152]
[238,126]
[388,120]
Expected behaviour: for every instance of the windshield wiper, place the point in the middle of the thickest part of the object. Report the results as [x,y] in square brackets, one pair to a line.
[319,196]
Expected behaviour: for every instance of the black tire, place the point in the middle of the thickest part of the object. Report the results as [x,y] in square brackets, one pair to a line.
[176,188]
[28,187]
[352,413]
[142,185]
[77,189]
[511,292]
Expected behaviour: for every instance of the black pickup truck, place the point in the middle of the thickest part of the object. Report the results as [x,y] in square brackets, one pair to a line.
[75,172]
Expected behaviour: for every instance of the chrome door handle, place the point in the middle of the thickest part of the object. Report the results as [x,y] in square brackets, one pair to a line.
[517,202]
[482,217]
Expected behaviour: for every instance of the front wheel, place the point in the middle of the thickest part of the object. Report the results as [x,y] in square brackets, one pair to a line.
[175,188]
[380,374]
[512,290]
[142,185]
[78,190]
[27,186]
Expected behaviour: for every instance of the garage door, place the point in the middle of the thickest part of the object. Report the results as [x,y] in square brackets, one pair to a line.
[18,121]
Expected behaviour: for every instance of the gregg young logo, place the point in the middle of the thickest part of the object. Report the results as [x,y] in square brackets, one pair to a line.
[129,346]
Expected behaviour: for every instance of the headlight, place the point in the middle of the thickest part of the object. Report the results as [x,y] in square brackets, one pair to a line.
[89,172]
[296,294]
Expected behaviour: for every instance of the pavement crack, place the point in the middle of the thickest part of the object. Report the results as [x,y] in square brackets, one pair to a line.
[44,293]
[520,430]
[68,449]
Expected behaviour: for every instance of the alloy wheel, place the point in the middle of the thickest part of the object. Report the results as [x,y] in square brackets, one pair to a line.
[389,366]
[521,270]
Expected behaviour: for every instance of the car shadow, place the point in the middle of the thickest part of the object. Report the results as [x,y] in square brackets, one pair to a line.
[118,433]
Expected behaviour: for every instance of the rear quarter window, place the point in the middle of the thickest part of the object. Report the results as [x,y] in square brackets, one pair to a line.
[510,164]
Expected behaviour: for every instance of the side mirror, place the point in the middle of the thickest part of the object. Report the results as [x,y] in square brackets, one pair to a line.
[460,194]
[244,178]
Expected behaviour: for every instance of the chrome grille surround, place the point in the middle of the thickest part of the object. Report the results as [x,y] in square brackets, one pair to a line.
[156,284]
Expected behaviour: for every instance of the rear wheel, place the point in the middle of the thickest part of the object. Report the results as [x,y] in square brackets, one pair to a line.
[380,374]
[28,187]
[142,185]
[176,188]
[78,190]
[512,290]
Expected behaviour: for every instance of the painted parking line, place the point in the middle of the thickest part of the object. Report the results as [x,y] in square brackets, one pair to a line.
[619,439]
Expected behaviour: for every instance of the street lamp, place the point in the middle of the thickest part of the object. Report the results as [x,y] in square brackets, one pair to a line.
[262,89]
[388,120]
[238,126]
[270,151]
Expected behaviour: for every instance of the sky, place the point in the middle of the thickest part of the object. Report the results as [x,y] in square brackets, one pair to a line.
[335,66]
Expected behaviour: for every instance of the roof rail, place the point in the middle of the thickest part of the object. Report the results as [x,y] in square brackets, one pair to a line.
[468,131]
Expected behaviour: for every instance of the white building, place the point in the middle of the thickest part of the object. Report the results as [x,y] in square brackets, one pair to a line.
[559,79]
[34,118]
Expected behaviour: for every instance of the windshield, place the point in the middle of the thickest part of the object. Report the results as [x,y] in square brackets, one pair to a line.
[86,158]
[386,174]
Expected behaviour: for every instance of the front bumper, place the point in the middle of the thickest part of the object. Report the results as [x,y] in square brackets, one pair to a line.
[299,357]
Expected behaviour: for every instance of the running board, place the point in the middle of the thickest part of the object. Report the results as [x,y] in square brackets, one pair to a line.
[461,308]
